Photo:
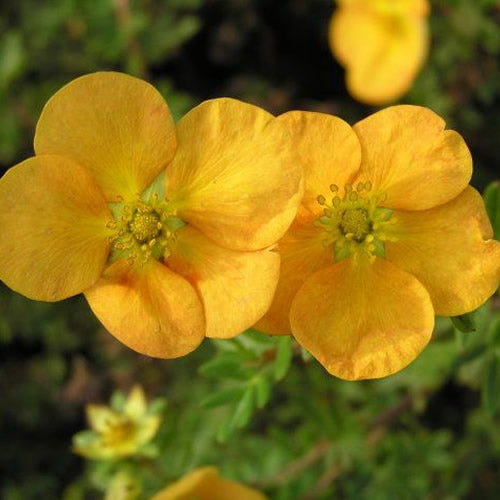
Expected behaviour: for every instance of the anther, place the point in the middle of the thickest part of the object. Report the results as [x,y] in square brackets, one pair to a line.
[360,187]
[321,199]
[353,196]
[334,188]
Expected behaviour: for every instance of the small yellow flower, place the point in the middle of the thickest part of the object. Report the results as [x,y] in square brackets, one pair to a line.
[166,229]
[117,432]
[388,235]
[206,484]
[382,44]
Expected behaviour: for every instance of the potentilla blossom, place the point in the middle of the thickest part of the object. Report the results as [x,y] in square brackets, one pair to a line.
[117,432]
[382,44]
[205,483]
[166,229]
[389,234]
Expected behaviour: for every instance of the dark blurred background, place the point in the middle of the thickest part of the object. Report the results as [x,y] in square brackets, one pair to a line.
[54,358]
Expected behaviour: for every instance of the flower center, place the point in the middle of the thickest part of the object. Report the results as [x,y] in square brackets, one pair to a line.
[117,430]
[143,229]
[356,223]
[145,226]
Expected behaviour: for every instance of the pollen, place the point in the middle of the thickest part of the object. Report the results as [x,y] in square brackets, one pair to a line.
[357,223]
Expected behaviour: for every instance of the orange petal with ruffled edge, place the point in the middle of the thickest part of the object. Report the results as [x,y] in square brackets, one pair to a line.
[408,155]
[236,288]
[362,320]
[450,250]
[235,176]
[302,254]
[150,309]
[53,225]
[117,126]
[205,483]
[329,151]
[382,54]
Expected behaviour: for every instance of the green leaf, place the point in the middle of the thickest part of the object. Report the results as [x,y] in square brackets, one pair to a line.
[244,410]
[223,397]
[491,388]
[157,406]
[226,365]
[240,417]
[465,323]
[492,201]
[262,390]
[118,401]
[283,358]
[468,356]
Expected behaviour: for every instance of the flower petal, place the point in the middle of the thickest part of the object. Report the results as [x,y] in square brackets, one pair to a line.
[362,320]
[135,404]
[235,176]
[450,250]
[407,154]
[236,288]
[99,417]
[53,226]
[153,311]
[205,483]
[382,53]
[117,126]
[302,254]
[329,151]
[146,429]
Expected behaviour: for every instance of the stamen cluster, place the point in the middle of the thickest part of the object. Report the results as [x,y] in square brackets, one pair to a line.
[356,222]
[143,230]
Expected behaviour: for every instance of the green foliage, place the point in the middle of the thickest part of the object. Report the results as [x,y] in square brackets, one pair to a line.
[254,362]
[260,408]
[492,202]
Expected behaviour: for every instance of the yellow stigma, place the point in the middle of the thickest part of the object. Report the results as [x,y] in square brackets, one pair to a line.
[142,230]
[357,223]
[145,226]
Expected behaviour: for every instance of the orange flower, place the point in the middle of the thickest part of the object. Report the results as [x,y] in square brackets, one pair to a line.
[389,233]
[382,44]
[206,484]
[163,257]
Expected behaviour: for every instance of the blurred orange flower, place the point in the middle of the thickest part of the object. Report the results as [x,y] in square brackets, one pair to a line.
[388,235]
[382,44]
[164,258]
[206,484]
